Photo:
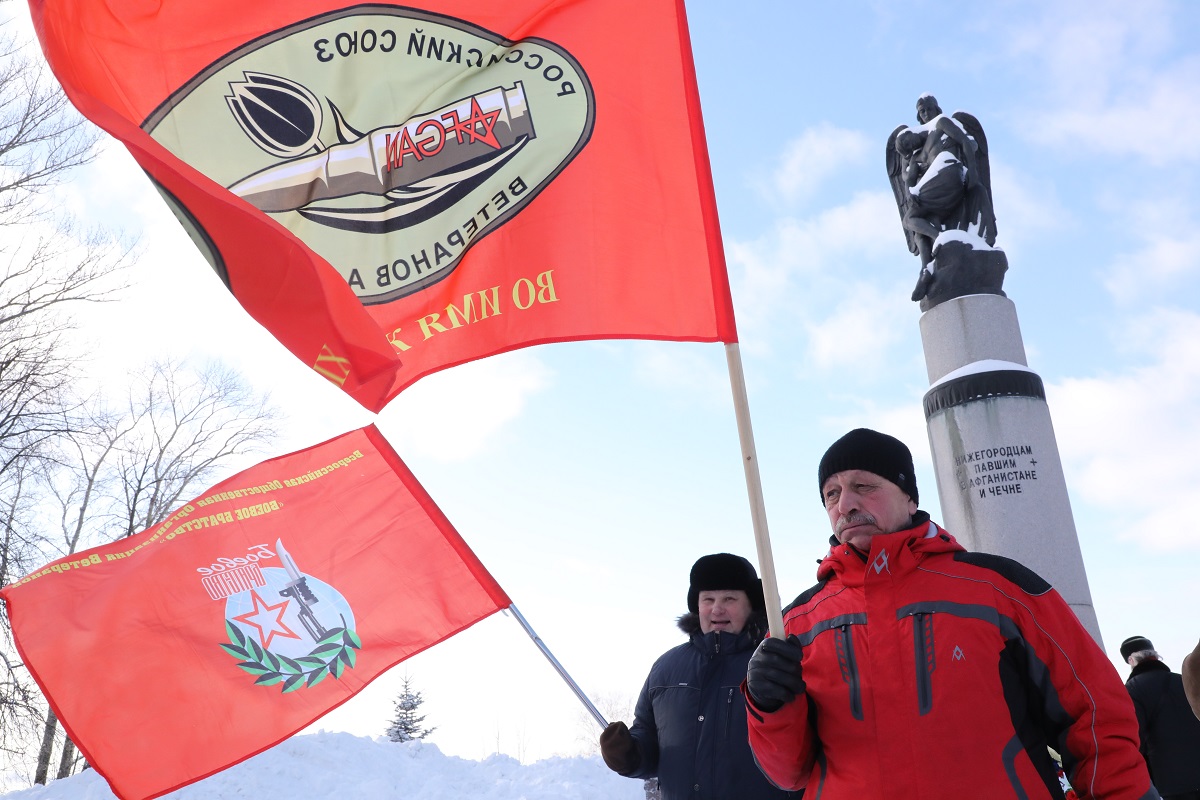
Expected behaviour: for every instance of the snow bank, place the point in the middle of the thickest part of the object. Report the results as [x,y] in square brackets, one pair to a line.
[334,766]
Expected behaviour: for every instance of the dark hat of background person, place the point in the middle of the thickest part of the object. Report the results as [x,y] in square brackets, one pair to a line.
[1134,644]
[863,448]
[724,571]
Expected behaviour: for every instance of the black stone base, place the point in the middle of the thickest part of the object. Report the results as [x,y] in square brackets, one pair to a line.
[960,269]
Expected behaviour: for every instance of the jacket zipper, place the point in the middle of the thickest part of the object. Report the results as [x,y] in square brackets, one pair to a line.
[850,670]
[923,647]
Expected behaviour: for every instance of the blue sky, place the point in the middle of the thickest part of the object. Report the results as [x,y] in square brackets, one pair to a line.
[589,476]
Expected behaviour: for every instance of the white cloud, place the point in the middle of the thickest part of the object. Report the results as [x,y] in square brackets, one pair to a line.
[1131,437]
[1156,119]
[1082,48]
[786,272]
[455,414]
[1109,82]
[694,371]
[858,335]
[1169,251]
[1026,205]
[816,155]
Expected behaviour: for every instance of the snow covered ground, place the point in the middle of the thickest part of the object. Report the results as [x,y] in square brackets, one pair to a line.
[334,766]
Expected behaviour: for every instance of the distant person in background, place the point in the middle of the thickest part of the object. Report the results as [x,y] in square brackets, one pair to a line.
[1191,679]
[917,670]
[689,727]
[1169,730]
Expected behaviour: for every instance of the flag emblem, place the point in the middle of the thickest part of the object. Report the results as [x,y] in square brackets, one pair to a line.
[281,636]
[391,181]
[393,191]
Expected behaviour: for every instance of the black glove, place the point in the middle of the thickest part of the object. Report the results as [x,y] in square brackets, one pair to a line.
[773,676]
[618,748]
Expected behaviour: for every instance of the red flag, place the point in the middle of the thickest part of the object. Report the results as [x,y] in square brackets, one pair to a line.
[392,190]
[249,613]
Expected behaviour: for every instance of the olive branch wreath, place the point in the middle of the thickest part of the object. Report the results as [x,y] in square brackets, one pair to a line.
[332,655]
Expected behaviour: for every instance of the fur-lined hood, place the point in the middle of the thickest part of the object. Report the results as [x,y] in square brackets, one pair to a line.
[756,626]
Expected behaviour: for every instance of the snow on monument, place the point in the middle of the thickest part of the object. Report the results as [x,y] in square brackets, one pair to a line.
[995,457]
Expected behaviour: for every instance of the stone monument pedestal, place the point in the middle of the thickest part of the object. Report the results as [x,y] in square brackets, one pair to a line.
[995,457]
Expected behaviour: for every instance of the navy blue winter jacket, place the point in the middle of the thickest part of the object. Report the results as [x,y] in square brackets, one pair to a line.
[690,720]
[1170,731]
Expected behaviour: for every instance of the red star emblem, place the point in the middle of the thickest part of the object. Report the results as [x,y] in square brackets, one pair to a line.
[271,624]
[470,126]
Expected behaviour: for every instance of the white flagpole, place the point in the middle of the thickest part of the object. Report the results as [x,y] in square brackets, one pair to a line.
[559,667]
[758,508]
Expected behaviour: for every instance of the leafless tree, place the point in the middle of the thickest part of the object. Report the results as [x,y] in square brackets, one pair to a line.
[47,265]
[20,703]
[76,472]
[42,139]
[121,471]
[185,427]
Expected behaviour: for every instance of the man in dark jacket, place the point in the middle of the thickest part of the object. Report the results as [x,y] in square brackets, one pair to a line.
[1169,730]
[689,726]
[1191,678]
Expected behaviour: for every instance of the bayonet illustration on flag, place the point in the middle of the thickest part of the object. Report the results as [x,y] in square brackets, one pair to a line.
[297,589]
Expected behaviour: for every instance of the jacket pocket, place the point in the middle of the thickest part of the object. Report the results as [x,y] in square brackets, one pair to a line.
[844,642]
[923,651]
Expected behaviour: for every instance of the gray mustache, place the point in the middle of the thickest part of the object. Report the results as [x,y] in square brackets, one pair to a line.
[855,519]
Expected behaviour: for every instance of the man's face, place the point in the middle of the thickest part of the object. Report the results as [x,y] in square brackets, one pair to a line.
[926,110]
[724,610]
[861,504]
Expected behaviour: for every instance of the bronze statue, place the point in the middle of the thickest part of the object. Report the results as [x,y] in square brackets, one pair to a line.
[941,176]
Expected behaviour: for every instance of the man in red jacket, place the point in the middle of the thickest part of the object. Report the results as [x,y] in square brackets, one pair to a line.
[916,670]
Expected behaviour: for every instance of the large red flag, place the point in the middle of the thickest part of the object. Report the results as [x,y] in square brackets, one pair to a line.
[249,613]
[394,189]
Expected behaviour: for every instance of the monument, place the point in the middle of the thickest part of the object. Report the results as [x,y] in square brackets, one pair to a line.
[995,457]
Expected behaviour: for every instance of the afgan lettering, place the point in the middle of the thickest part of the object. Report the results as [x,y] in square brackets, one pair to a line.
[432,135]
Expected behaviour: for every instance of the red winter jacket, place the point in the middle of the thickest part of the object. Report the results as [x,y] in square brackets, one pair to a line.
[932,672]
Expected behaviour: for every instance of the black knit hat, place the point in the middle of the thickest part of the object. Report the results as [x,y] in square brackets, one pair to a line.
[1134,644]
[863,448]
[724,571]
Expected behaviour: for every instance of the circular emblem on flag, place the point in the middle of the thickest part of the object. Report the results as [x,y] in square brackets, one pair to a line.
[291,629]
[389,140]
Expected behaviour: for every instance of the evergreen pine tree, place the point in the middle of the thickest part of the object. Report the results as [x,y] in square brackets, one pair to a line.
[406,725]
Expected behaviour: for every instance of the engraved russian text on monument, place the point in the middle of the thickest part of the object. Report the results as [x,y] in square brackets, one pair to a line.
[996,471]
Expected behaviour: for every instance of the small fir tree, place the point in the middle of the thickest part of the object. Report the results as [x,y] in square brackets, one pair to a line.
[406,725]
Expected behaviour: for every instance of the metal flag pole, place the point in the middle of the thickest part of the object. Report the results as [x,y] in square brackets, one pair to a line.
[758,508]
[583,698]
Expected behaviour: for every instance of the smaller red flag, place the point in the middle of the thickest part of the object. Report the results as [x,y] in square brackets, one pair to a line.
[248,614]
